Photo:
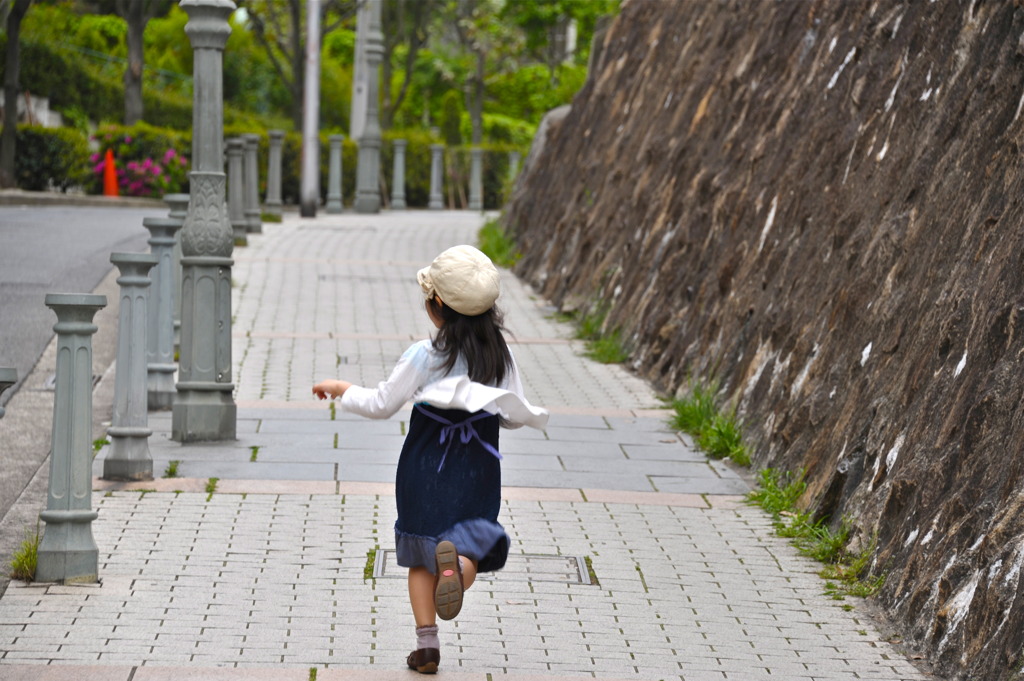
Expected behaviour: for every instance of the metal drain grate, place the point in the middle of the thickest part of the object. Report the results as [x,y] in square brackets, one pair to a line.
[530,567]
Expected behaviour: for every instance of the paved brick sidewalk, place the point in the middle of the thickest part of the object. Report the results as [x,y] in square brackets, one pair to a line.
[263,579]
[285,566]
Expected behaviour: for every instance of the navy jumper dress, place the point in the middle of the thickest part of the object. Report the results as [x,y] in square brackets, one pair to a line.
[448,487]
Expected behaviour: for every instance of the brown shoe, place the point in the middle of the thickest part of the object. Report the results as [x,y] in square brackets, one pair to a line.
[447,581]
[424,660]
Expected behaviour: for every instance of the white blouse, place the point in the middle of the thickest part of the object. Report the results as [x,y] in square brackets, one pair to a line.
[419,377]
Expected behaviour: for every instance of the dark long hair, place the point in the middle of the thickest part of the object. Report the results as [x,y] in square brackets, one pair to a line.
[478,339]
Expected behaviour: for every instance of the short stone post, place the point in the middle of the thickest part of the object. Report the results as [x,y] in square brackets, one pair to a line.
[236,191]
[204,408]
[436,168]
[160,334]
[513,165]
[252,184]
[398,179]
[334,195]
[178,203]
[368,168]
[129,457]
[272,204]
[8,377]
[67,551]
[476,184]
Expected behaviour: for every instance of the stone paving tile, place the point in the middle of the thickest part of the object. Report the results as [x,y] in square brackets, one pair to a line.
[235,569]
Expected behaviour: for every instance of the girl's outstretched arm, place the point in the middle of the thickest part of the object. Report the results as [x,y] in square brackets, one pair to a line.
[330,388]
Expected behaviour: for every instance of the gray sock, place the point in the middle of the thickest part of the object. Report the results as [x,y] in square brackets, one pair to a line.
[426,637]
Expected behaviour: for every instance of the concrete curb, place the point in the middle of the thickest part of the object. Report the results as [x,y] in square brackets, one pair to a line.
[20,197]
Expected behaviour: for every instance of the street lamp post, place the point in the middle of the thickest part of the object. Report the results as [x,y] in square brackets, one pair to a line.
[368,168]
[204,408]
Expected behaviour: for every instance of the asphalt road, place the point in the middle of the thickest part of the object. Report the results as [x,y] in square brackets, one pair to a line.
[55,249]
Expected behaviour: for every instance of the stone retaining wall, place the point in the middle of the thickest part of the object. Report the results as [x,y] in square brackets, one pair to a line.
[819,204]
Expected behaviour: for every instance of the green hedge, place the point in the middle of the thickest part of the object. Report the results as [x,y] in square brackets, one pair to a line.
[59,158]
[50,158]
[73,85]
[150,161]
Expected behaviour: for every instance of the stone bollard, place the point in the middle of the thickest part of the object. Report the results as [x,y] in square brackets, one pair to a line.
[368,168]
[398,190]
[204,408]
[273,202]
[436,168]
[252,184]
[476,184]
[178,203]
[160,332]
[129,457]
[236,191]
[8,377]
[67,552]
[334,196]
[513,165]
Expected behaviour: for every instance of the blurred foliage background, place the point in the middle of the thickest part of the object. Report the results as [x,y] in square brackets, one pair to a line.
[460,72]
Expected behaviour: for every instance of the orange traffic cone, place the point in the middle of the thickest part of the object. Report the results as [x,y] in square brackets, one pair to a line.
[109,175]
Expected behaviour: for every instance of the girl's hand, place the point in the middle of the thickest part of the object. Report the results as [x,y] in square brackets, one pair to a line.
[330,388]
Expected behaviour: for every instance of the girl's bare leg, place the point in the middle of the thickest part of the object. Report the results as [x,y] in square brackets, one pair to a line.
[468,571]
[421,596]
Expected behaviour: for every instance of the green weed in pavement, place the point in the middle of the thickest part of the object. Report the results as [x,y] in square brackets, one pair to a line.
[371,558]
[24,560]
[846,573]
[590,571]
[718,434]
[211,487]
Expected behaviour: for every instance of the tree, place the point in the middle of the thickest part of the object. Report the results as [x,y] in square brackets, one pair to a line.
[279,28]
[481,35]
[13,11]
[405,22]
[137,14]
[546,24]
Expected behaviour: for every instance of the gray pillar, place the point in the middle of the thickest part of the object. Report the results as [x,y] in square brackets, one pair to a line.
[160,334]
[334,196]
[272,204]
[251,173]
[204,408]
[476,184]
[309,181]
[178,203]
[129,457]
[436,161]
[67,551]
[398,179]
[513,165]
[368,169]
[8,377]
[236,191]
[357,116]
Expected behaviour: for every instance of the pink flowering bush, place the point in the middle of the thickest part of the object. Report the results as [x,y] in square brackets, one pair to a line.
[146,160]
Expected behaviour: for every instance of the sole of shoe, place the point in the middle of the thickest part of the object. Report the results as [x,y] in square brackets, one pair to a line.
[448,592]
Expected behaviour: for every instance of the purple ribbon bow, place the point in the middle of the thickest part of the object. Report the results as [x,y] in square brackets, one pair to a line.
[464,430]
